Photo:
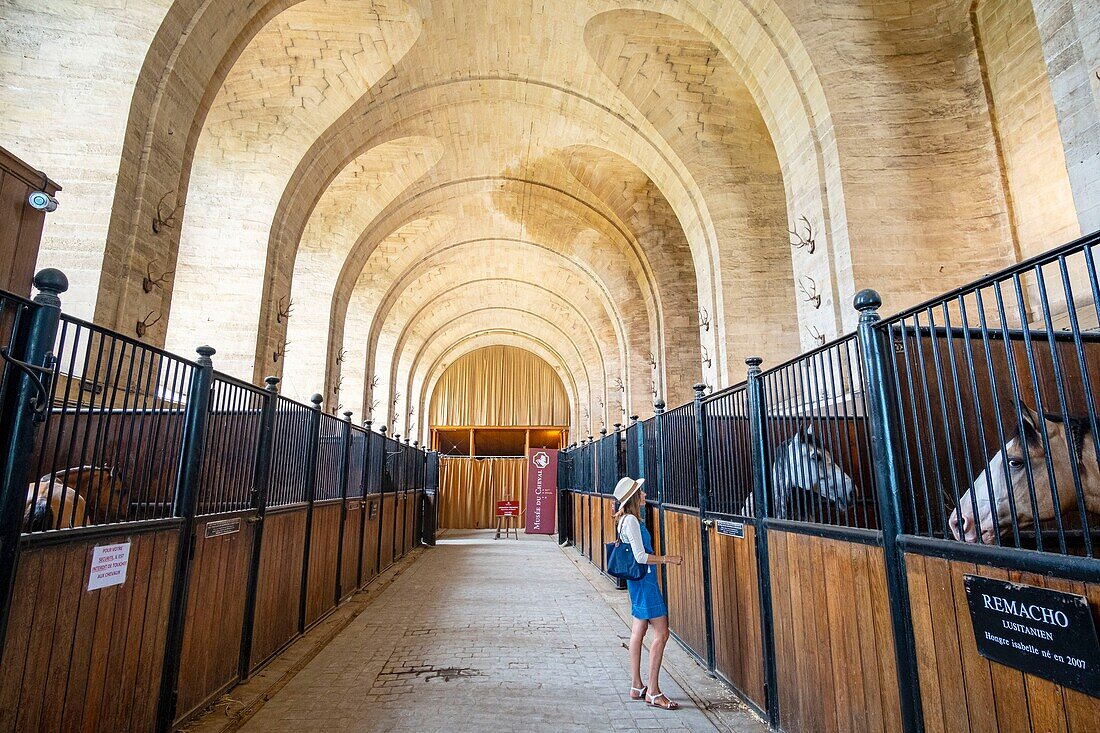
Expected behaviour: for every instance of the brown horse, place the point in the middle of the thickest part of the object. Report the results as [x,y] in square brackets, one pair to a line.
[73,497]
[986,510]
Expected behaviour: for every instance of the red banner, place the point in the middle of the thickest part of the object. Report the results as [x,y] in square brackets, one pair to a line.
[542,491]
[507,508]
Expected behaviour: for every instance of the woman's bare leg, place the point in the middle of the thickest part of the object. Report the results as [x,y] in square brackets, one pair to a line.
[657,652]
[637,633]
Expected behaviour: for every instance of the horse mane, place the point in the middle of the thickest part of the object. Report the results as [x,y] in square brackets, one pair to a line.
[77,469]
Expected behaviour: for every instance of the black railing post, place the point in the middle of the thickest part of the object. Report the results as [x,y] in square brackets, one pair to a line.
[639,432]
[261,482]
[702,477]
[381,498]
[659,482]
[761,495]
[365,504]
[311,494]
[883,417]
[27,399]
[345,469]
[184,507]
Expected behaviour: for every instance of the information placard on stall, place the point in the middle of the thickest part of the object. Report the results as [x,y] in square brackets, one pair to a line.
[1040,631]
[109,564]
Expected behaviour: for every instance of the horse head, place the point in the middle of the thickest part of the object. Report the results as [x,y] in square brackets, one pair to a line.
[986,509]
[103,489]
[803,462]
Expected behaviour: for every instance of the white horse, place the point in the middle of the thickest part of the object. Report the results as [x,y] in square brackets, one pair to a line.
[803,463]
[986,509]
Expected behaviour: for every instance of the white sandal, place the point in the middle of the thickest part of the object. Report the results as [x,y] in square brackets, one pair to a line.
[651,700]
[641,692]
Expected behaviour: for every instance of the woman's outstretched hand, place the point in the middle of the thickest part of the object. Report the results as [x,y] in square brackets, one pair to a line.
[675,560]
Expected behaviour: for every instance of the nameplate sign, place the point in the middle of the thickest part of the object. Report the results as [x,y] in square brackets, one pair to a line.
[109,563]
[223,527]
[1043,632]
[373,511]
[731,529]
[507,508]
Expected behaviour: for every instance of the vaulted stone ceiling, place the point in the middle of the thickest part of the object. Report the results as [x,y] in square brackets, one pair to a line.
[354,193]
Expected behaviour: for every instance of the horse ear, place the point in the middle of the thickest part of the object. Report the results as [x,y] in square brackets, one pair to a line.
[1031,422]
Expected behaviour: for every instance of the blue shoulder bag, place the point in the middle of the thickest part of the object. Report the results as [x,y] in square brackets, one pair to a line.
[621,562]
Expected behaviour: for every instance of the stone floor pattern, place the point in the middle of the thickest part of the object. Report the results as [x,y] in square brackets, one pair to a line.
[480,635]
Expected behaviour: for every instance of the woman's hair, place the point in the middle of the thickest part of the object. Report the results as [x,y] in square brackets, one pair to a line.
[630,506]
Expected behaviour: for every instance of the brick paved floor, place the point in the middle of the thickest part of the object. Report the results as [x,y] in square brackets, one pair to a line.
[481,635]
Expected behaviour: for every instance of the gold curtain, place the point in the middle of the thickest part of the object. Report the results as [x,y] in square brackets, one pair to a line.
[500,386]
[469,489]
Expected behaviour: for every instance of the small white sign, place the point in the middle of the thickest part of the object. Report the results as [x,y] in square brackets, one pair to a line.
[109,565]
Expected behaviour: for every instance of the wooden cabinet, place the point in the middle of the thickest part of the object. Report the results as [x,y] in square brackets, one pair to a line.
[20,223]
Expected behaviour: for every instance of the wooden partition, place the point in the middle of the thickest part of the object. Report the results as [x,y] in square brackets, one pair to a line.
[373,508]
[76,659]
[349,567]
[215,613]
[833,635]
[576,523]
[963,691]
[324,546]
[686,611]
[412,505]
[607,529]
[280,582]
[385,558]
[735,598]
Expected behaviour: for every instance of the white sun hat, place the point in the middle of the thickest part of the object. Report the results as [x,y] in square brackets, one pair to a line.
[626,488]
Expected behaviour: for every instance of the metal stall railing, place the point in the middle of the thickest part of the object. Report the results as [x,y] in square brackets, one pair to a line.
[834,511]
[164,529]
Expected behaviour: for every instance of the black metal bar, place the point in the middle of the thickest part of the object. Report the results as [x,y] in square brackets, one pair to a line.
[184,506]
[311,496]
[366,499]
[1069,567]
[260,483]
[702,476]
[659,445]
[19,419]
[761,493]
[882,414]
[381,498]
[345,458]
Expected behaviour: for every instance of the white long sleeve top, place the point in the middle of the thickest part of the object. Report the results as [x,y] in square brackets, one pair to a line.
[630,530]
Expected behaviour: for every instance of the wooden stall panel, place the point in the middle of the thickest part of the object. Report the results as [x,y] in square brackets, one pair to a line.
[78,659]
[686,612]
[833,636]
[370,538]
[607,528]
[576,521]
[962,690]
[349,567]
[324,544]
[388,505]
[412,507]
[279,583]
[738,652]
[215,614]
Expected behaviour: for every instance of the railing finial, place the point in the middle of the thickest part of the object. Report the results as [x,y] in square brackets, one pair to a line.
[50,283]
[317,399]
[867,301]
[205,352]
[272,384]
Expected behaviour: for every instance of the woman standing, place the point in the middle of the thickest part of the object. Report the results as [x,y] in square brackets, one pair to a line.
[647,605]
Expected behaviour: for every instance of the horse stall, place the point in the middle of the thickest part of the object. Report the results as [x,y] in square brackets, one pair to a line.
[223,545]
[279,575]
[325,518]
[732,545]
[180,527]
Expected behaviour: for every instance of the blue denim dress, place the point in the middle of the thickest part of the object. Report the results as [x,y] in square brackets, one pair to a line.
[646,601]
